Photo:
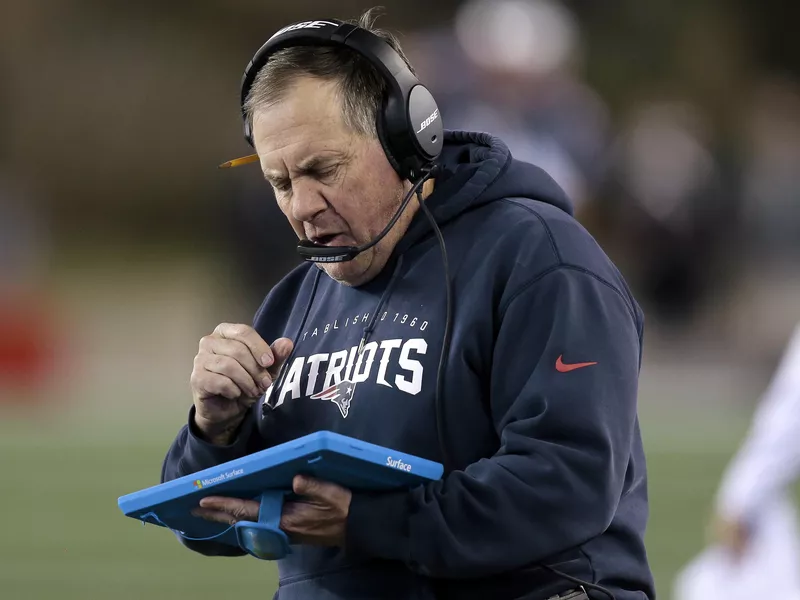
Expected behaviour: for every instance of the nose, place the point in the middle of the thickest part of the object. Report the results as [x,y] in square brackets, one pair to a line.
[307,200]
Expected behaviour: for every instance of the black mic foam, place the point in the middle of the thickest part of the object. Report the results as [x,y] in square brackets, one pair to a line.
[326,254]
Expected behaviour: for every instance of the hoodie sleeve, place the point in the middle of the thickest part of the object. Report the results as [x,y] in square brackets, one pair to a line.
[189,453]
[565,433]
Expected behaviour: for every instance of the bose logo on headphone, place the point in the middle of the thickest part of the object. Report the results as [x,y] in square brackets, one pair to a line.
[429,120]
[304,25]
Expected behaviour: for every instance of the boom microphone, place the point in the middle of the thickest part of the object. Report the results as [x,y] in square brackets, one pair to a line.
[320,253]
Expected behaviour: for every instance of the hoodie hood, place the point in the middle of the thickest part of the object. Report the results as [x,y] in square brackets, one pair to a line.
[478,168]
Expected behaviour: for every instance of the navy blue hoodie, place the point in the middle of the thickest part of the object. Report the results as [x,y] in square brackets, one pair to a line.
[547,465]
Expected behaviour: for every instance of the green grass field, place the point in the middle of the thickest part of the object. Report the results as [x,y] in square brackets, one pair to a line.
[63,537]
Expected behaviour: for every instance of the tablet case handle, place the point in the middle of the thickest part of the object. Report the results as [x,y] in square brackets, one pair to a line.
[265,540]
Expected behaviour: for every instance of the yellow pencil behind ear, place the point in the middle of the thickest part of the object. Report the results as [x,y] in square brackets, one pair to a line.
[237,162]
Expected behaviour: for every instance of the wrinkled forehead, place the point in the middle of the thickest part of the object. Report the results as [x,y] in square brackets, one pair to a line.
[306,119]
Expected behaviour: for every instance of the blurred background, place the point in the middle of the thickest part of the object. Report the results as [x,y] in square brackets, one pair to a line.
[673,125]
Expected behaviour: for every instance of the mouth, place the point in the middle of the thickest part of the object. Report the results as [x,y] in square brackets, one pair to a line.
[331,239]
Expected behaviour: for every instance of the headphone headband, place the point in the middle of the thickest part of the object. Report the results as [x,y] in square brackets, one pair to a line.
[409,124]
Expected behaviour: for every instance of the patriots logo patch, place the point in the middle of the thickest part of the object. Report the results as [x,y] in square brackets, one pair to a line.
[340,394]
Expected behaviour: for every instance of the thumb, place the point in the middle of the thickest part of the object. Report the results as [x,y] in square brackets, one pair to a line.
[281,349]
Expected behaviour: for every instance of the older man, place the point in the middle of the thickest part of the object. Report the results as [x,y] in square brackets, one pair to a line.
[523,381]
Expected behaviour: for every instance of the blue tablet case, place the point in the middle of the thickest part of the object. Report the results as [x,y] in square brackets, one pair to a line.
[267,476]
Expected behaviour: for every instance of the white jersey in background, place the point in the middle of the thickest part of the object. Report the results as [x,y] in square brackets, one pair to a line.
[754,491]
[769,459]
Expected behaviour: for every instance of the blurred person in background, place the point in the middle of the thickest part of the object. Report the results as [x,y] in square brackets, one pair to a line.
[27,318]
[756,541]
[666,200]
[768,461]
[544,493]
[771,205]
[512,68]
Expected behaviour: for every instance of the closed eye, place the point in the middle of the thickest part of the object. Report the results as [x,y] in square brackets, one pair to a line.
[327,173]
[284,185]
[278,183]
[318,172]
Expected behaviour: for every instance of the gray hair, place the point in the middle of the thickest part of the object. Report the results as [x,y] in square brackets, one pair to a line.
[361,87]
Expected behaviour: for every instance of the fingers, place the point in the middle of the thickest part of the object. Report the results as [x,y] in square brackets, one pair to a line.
[245,334]
[227,510]
[209,384]
[281,349]
[238,351]
[299,517]
[320,491]
[314,523]
[240,364]
[243,343]
[231,369]
[308,523]
[217,516]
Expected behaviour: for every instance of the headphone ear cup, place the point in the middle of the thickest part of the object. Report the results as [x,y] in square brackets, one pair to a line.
[380,126]
[427,129]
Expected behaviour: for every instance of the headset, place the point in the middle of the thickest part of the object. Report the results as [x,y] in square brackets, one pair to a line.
[409,123]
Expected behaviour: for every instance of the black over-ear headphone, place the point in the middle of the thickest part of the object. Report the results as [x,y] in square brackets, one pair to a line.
[409,124]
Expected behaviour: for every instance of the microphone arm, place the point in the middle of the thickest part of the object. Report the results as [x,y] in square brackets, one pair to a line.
[320,253]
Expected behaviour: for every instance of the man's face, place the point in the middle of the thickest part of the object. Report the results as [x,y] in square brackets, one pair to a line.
[335,186]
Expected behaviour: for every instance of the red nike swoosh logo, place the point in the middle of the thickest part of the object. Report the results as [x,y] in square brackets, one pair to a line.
[565,368]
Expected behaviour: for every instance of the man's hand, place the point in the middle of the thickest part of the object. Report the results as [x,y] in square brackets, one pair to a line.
[232,369]
[318,518]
